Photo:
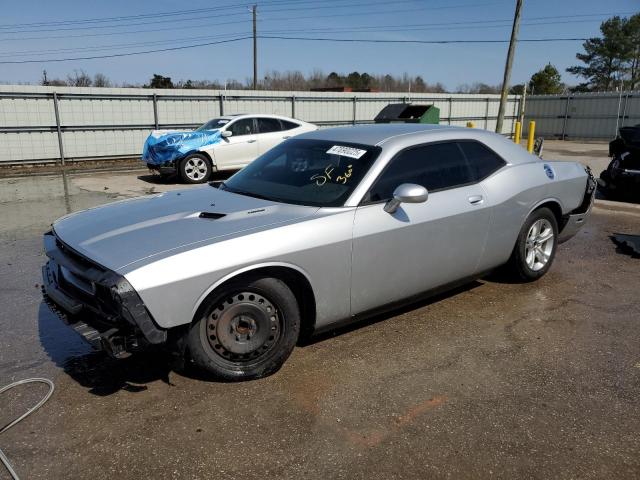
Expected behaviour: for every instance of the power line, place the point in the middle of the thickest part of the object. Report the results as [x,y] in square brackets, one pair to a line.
[270,20]
[436,42]
[171,20]
[355,29]
[156,15]
[360,14]
[121,45]
[432,26]
[352,5]
[315,39]
[124,54]
[125,25]
[137,31]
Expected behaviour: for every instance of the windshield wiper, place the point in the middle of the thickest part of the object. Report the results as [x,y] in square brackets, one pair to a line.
[248,194]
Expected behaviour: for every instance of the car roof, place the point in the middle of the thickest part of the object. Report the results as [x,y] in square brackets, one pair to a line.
[236,116]
[373,134]
[395,136]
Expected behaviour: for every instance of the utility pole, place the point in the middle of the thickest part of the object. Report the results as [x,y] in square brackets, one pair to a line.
[523,104]
[508,65]
[255,49]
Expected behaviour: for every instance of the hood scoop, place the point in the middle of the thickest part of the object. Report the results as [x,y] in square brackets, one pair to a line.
[212,215]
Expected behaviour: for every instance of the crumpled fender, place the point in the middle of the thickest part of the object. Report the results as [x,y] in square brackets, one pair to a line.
[162,146]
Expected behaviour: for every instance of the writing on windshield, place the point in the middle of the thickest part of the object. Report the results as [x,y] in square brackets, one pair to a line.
[306,172]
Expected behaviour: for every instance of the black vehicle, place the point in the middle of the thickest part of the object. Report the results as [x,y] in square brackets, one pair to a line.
[621,179]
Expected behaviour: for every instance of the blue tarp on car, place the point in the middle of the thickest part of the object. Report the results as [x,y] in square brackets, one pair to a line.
[165,147]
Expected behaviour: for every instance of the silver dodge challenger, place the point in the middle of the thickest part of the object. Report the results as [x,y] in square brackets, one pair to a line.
[328,227]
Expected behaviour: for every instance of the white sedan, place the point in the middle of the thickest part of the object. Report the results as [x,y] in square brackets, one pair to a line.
[225,143]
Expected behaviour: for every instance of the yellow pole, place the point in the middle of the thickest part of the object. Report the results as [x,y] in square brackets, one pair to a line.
[518,133]
[471,125]
[532,132]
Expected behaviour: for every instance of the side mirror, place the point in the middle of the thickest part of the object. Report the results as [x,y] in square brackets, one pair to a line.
[226,133]
[406,193]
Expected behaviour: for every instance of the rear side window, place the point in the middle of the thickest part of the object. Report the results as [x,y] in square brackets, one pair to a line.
[435,166]
[482,160]
[287,125]
[268,125]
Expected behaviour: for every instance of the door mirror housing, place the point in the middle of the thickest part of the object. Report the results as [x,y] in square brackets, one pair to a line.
[406,193]
[226,133]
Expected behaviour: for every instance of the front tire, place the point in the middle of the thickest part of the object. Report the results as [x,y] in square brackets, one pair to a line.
[196,168]
[246,330]
[536,246]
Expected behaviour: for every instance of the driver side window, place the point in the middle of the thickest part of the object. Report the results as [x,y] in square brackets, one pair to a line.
[243,126]
[436,166]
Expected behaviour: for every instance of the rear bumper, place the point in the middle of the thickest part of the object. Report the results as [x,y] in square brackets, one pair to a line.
[573,224]
[577,218]
[96,302]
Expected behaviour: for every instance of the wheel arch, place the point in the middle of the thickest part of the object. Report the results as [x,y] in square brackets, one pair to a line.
[555,206]
[293,276]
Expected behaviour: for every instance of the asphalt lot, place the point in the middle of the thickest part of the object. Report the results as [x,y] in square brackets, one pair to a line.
[493,380]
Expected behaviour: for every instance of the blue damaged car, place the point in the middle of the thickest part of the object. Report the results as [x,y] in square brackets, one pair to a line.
[225,143]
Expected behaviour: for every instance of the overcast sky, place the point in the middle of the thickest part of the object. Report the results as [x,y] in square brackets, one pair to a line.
[150,25]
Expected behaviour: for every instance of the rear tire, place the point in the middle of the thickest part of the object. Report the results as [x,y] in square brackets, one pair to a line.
[535,248]
[196,168]
[246,330]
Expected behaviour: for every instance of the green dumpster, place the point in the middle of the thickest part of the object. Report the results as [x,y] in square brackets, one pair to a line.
[408,113]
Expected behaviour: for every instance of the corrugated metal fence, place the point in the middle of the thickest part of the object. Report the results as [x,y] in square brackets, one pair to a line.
[48,124]
[582,116]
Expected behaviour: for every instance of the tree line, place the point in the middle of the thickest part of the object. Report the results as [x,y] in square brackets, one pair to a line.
[608,62]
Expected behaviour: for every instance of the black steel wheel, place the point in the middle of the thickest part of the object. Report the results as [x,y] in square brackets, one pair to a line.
[247,330]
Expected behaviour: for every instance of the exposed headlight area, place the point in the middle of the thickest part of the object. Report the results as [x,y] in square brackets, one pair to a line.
[98,303]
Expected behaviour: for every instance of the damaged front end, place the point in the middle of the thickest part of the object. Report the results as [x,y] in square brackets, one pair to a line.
[163,150]
[96,302]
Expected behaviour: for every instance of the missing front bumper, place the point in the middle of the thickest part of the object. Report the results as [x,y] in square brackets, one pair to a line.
[97,303]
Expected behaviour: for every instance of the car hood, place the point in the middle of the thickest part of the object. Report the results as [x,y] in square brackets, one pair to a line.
[164,146]
[118,234]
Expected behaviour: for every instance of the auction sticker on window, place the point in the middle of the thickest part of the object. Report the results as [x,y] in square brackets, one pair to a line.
[346,151]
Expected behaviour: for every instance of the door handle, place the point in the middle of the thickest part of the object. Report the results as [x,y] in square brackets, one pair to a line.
[286,136]
[475,199]
[251,141]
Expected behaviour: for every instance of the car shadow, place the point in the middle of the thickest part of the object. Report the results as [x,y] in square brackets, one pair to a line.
[156,179]
[94,370]
[102,375]
[388,314]
[501,275]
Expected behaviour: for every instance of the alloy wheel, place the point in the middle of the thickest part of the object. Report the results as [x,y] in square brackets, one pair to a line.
[195,168]
[539,244]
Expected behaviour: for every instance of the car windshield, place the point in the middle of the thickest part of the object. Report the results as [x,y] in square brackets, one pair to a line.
[305,172]
[213,124]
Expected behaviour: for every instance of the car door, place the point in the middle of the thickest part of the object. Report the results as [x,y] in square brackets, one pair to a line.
[424,245]
[240,148]
[270,133]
